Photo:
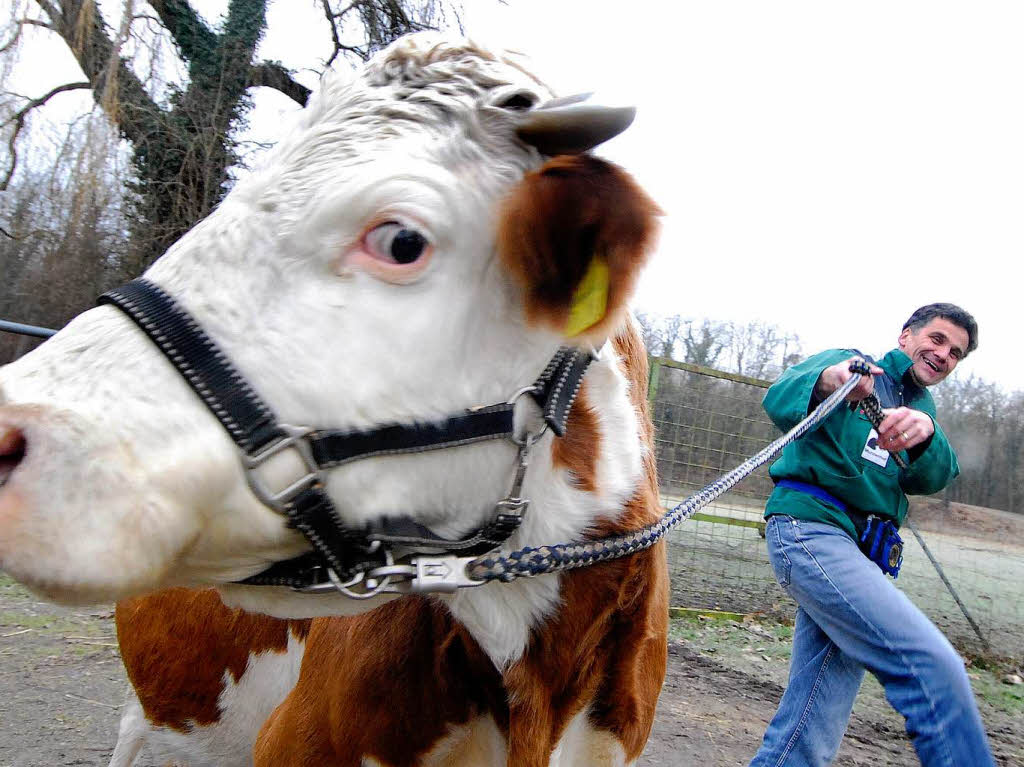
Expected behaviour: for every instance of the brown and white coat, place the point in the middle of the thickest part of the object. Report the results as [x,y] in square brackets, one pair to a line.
[115,482]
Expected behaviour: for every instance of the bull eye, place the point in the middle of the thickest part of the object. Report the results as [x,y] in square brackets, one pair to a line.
[396,243]
[407,246]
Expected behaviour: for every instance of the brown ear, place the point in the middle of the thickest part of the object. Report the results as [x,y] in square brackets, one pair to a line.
[575,234]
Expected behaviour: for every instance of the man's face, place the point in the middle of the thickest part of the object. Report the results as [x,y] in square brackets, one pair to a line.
[935,349]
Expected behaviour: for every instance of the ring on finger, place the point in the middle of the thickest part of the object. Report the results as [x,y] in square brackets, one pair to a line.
[906,438]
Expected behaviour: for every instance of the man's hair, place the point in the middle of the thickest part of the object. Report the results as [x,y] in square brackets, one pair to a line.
[960,317]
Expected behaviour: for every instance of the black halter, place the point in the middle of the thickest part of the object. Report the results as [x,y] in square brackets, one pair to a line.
[340,554]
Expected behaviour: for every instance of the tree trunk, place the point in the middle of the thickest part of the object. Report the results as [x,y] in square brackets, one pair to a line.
[183,167]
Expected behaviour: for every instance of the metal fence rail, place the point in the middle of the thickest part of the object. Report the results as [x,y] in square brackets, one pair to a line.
[706,422]
[26,330]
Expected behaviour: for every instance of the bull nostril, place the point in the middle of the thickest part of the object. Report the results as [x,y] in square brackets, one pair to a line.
[12,450]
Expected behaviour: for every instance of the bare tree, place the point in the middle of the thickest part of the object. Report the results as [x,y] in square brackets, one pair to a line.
[984,425]
[670,335]
[661,334]
[705,341]
[761,350]
[1013,450]
[757,349]
[65,240]
[649,332]
[183,131]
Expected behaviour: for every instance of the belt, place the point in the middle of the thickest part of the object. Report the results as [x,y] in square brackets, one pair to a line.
[859,518]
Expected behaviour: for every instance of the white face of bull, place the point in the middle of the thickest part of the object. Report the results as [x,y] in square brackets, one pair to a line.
[359,279]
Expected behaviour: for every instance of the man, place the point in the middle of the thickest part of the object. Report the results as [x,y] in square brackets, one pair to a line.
[850,616]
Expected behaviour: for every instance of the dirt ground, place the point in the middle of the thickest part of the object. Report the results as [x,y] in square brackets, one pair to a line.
[61,688]
[725,679]
[930,513]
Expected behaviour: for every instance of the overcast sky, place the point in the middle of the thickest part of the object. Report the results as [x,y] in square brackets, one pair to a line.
[824,166]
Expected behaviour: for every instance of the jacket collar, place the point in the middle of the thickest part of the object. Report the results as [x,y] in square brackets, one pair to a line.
[897,366]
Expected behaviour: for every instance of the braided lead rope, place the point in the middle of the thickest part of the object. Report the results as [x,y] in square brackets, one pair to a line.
[568,556]
[873,410]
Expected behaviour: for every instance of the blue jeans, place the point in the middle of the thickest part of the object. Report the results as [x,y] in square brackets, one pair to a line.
[852,617]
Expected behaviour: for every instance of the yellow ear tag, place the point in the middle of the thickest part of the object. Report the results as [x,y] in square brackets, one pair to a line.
[590,300]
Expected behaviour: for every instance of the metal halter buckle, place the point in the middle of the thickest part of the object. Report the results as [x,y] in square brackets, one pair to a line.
[509,511]
[295,441]
[440,574]
[426,575]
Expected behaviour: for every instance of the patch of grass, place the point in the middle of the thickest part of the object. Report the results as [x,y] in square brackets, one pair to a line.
[44,623]
[24,620]
[698,614]
[988,685]
[782,631]
[11,589]
[753,638]
[85,651]
[51,622]
[680,629]
[721,634]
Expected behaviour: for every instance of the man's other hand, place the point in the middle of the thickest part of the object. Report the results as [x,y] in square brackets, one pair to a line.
[904,427]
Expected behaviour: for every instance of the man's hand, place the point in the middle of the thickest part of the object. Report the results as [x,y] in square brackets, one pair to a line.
[833,377]
[903,427]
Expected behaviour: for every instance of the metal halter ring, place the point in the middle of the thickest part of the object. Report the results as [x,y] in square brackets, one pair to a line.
[529,439]
[371,578]
[375,580]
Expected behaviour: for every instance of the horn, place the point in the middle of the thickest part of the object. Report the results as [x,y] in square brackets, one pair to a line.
[572,125]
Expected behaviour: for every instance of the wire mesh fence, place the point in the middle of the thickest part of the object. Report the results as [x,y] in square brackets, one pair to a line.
[707,422]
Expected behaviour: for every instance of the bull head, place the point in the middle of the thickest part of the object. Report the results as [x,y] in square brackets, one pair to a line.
[408,251]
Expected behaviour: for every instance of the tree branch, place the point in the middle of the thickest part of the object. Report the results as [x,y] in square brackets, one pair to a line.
[78,21]
[194,39]
[331,15]
[13,41]
[18,119]
[270,74]
[19,27]
[223,71]
[51,10]
[334,32]
[334,20]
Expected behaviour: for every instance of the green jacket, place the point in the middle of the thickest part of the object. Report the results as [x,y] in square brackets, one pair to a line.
[836,457]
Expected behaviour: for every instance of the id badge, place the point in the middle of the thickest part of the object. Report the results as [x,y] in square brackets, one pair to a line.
[873,452]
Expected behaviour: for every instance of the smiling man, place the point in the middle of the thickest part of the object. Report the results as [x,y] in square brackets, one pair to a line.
[840,496]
